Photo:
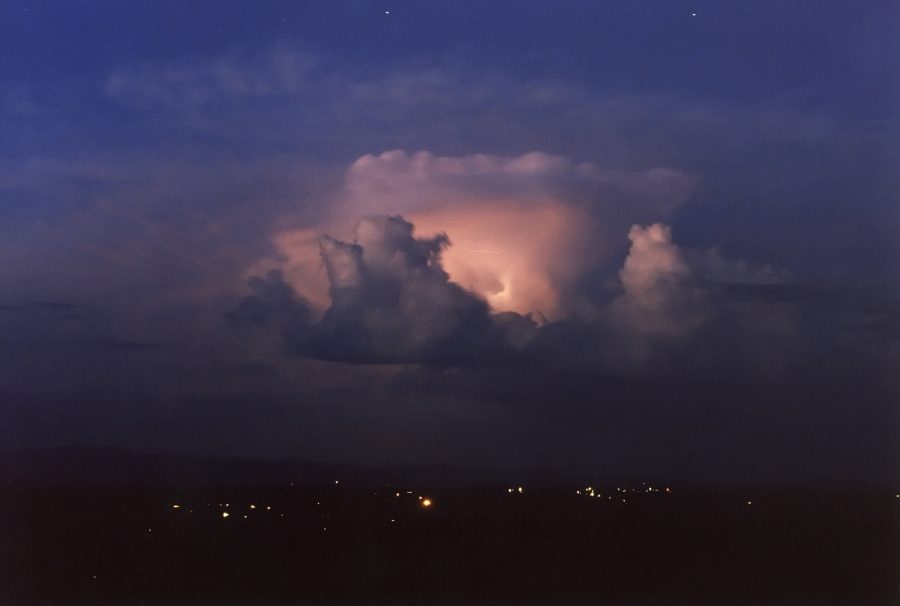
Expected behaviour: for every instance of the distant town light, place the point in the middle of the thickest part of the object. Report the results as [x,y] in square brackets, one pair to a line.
[176,506]
[426,503]
[253,507]
[225,514]
[520,489]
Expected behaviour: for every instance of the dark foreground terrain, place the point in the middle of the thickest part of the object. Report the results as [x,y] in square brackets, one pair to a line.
[343,544]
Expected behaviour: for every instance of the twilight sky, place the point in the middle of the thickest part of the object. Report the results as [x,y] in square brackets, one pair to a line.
[610,238]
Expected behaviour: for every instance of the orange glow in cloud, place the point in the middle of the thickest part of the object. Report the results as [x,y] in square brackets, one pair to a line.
[517,249]
[514,256]
[520,230]
[517,257]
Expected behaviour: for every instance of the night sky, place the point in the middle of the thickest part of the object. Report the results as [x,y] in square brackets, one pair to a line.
[612,238]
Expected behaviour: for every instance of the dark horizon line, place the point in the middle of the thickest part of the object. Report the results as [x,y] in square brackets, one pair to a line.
[363,475]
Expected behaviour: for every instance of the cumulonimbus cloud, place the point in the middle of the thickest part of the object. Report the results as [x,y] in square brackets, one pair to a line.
[523,229]
[422,258]
[392,301]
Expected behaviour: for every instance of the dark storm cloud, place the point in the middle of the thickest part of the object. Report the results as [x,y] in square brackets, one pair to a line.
[676,316]
[272,299]
[673,314]
[391,302]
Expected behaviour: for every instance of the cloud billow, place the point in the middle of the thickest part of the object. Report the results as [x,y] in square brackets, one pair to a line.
[539,272]
[391,302]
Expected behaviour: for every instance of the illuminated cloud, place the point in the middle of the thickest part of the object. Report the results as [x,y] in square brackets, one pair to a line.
[658,300]
[653,278]
[522,230]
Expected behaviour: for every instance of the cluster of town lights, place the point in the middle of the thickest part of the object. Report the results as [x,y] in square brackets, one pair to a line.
[590,492]
[424,502]
[427,502]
